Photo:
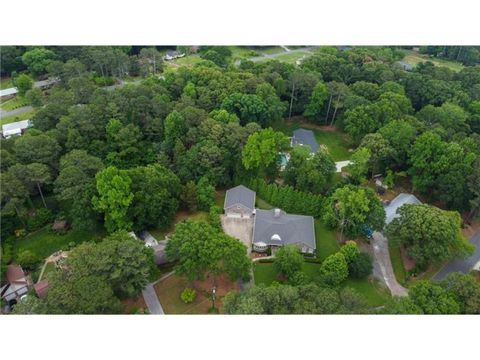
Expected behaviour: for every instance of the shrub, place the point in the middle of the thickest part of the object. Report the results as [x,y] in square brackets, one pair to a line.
[334,270]
[361,266]
[28,259]
[214,217]
[288,260]
[188,295]
[42,217]
[103,80]
[350,251]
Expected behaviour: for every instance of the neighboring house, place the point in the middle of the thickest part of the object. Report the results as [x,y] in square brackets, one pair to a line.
[171,55]
[305,137]
[157,246]
[17,284]
[239,202]
[42,84]
[392,208]
[275,228]
[8,92]
[15,128]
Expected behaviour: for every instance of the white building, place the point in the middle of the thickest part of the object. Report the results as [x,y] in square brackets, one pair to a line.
[15,128]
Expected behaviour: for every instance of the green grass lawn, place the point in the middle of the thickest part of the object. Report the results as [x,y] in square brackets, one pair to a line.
[290,58]
[374,293]
[13,103]
[337,142]
[160,234]
[188,61]
[413,58]
[5,83]
[262,204]
[24,116]
[44,242]
[220,198]
[397,263]
[326,241]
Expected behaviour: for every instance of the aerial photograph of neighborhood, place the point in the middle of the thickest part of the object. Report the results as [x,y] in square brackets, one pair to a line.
[272,179]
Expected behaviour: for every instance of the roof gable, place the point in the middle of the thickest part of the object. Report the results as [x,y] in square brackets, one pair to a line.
[240,195]
[392,208]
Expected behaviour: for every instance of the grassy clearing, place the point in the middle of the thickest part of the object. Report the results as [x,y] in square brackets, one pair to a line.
[337,142]
[160,234]
[271,50]
[326,241]
[187,61]
[291,57]
[397,262]
[240,52]
[413,58]
[44,242]
[5,83]
[23,116]
[13,103]
[264,273]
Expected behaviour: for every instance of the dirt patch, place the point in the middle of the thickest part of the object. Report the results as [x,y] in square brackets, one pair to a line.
[131,305]
[471,229]
[408,263]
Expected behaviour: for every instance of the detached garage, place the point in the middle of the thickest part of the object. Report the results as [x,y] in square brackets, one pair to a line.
[239,202]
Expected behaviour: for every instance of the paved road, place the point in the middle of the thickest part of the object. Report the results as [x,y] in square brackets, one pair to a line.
[151,299]
[18,111]
[383,265]
[462,265]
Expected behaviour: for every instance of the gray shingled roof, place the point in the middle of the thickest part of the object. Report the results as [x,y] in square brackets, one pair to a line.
[397,203]
[291,228]
[240,195]
[305,137]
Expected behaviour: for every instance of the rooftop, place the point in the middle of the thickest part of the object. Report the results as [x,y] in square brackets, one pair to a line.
[397,203]
[240,195]
[276,227]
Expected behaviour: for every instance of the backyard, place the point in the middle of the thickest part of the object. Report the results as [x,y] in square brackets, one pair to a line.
[44,242]
[338,143]
[160,234]
[23,116]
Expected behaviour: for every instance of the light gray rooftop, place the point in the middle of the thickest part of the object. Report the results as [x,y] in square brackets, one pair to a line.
[290,228]
[398,202]
[240,195]
[305,137]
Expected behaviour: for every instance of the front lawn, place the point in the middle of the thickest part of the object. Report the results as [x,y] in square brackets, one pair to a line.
[170,289]
[374,293]
[336,141]
[290,57]
[13,103]
[23,116]
[44,242]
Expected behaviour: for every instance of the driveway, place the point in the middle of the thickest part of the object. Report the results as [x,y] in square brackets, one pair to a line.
[462,265]
[18,111]
[341,164]
[151,299]
[383,265]
[240,228]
